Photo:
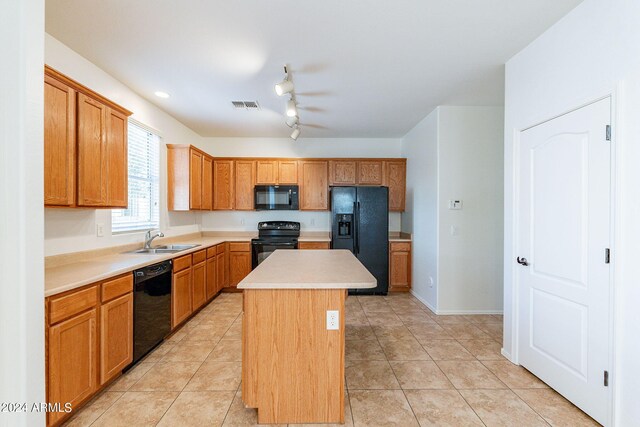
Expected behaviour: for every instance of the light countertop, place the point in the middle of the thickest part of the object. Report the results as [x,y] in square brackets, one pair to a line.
[309,269]
[88,270]
[66,277]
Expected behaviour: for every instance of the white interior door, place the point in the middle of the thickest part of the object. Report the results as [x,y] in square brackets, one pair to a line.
[564,233]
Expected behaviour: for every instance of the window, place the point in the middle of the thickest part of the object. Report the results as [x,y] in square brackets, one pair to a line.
[143,210]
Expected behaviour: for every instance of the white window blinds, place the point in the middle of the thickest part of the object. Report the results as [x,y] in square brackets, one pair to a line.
[143,209]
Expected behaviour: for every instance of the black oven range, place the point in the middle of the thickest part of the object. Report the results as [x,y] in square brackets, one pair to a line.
[273,235]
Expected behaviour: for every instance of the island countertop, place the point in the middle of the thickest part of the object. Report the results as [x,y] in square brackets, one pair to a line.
[309,269]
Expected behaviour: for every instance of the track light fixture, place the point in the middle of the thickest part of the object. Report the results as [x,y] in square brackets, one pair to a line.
[285,86]
[292,111]
[282,88]
[296,133]
[292,121]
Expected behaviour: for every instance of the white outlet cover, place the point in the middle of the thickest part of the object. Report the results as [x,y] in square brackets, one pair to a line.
[100,229]
[455,205]
[333,320]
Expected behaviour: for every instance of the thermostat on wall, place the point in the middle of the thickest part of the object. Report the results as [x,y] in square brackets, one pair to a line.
[455,204]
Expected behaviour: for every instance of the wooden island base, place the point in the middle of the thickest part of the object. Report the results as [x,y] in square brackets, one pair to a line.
[293,367]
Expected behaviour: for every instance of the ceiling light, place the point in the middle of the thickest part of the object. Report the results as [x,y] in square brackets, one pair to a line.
[291,108]
[296,133]
[161,94]
[291,121]
[284,87]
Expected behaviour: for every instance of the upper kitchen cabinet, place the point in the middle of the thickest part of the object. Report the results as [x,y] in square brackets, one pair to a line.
[395,178]
[59,143]
[276,172]
[314,185]
[223,184]
[245,181]
[190,178]
[342,172]
[370,172]
[85,144]
[287,172]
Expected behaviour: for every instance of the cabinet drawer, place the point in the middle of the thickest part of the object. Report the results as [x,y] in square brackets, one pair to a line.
[211,252]
[181,263]
[313,245]
[220,248]
[400,246]
[240,247]
[199,256]
[116,287]
[61,308]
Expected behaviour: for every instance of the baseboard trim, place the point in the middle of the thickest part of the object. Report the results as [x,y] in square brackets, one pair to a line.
[423,301]
[453,312]
[507,355]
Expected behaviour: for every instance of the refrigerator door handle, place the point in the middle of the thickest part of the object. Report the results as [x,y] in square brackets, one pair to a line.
[356,208]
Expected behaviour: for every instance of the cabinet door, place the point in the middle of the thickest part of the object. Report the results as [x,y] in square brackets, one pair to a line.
[199,285]
[195,180]
[117,160]
[370,172]
[207,183]
[181,297]
[59,143]
[221,271]
[314,187]
[92,152]
[266,172]
[239,267]
[313,245]
[342,172]
[72,353]
[395,179]
[212,285]
[223,184]
[400,270]
[287,172]
[116,336]
[245,181]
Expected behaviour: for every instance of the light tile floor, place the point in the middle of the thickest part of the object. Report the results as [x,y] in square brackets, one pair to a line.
[405,366]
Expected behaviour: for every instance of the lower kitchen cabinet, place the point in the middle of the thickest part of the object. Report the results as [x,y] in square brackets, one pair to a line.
[399,266]
[199,282]
[239,262]
[212,271]
[116,336]
[313,245]
[181,297]
[72,361]
[221,267]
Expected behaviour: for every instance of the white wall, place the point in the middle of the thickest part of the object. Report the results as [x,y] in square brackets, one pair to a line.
[286,147]
[455,153]
[470,141]
[591,52]
[21,211]
[420,146]
[70,230]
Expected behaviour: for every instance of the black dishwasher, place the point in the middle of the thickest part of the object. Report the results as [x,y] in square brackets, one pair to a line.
[151,307]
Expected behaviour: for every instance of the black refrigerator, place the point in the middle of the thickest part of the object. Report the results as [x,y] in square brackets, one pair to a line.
[360,223]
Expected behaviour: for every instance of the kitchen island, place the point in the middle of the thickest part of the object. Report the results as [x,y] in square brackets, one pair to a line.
[292,363]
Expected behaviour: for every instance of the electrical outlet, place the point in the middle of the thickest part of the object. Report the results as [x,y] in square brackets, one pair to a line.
[333,320]
[312,222]
[241,221]
[430,281]
[455,205]
[100,229]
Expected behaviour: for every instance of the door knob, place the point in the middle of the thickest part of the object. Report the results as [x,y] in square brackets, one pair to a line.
[522,261]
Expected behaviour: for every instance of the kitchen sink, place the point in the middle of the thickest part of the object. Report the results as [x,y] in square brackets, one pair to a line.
[166,249]
[176,247]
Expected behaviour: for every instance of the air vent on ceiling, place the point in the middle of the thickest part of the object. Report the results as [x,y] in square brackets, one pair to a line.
[245,105]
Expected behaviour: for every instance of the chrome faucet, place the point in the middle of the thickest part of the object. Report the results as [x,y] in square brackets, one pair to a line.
[148,239]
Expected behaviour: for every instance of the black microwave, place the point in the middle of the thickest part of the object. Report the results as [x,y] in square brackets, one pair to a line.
[276,197]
